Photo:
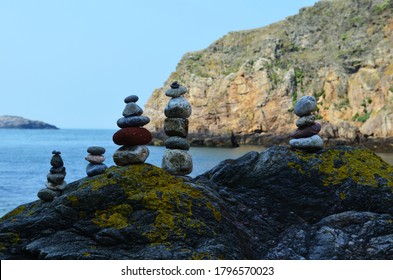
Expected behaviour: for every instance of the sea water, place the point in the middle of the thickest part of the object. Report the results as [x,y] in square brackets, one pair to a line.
[25,159]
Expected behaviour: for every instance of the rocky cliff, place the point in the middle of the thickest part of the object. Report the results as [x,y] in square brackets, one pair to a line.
[278,204]
[248,82]
[19,122]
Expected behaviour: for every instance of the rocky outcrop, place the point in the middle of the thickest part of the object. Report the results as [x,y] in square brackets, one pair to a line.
[336,203]
[249,81]
[19,122]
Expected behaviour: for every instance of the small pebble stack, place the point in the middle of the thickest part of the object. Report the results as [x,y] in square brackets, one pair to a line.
[306,136]
[95,159]
[176,160]
[55,184]
[132,136]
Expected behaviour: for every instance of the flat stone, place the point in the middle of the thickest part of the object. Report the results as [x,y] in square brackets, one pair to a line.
[178,107]
[305,106]
[176,127]
[135,121]
[132,109]
[95,159]
[132,136]
[307,131]
[56,178]
[57,187]
[177,162]
[176,92]
[131,98]
[176,142]
[305,121]
[310,143]
[56,161]
[47,194]
[94,150]
[131,155]
[95,169]
[55,170]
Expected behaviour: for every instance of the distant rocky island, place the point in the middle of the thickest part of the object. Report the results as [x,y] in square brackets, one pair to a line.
[22,123]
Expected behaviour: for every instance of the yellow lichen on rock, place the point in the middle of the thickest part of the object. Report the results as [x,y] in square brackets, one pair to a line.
[116,216]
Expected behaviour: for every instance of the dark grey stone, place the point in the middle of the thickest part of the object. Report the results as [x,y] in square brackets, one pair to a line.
[176,142]
[56,178]
[176,127]
[131,98]
[136,121]
[178,107]
[48,194]
[55,170]
[94,150]
[176,92]
[56,161]
[132,109]
[95,169]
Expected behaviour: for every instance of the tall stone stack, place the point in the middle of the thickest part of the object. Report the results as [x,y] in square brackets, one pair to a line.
[55,179]
[132,136]
[96,160]
[177,160]
[306,137]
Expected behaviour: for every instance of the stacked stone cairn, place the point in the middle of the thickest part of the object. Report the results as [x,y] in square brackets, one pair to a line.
[55,179]
[176,159]
[306,137]
[132,136]
[95,159]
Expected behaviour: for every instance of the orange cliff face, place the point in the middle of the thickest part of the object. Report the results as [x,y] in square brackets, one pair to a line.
[249,81]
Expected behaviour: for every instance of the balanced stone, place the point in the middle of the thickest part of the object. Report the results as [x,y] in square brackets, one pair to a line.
[134,121]
[176,127]
[176,142]
[55,170]
[178,107]
[305,121]
[131,98]
[176,91]
[177,162]
[307,131]
[127,155]
[59,187]
[95,159]
[305,106]
[48,194]
[132,136]
[93,169]
[96,150]
[310,143]
[132,109]
[56,160]
[56,178]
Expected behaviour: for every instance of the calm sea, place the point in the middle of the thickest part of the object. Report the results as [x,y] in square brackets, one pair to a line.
[25,157]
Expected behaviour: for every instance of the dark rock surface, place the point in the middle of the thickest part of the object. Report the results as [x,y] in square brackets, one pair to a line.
[279,204]
[19,122]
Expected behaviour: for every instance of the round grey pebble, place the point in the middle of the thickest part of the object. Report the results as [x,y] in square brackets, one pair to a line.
[48,194]
[304,121]
[136,121]
[132,109]
[131,98]
[178,107]
[177,162]
[56,178]
[176,127]
[127,155]
[305,106]
[94,150]
[95,169]
[312,143]
[176,142]
[56,161]
[176,92]
[56,170]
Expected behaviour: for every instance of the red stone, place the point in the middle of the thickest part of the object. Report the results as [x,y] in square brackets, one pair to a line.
[132,136]
[307,131]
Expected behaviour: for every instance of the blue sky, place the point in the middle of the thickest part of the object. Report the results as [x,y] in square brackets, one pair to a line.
[71,62]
